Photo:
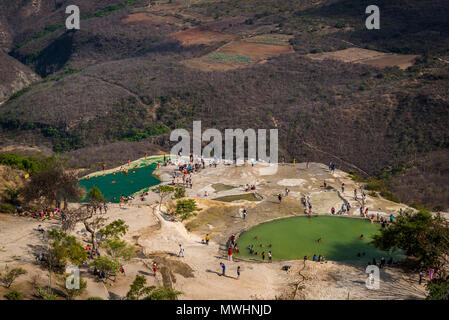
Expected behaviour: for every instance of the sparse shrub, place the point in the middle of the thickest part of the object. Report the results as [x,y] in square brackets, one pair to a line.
[7,208]
[14,295]
[9,276]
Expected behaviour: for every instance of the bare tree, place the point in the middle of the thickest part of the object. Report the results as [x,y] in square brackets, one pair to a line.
[90,215]
[52,186]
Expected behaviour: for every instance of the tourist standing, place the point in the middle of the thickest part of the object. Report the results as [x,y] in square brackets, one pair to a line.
[181,251]
[238,272]
[270,256]
[230,254]
[223,268]
[244,214]
[207,239]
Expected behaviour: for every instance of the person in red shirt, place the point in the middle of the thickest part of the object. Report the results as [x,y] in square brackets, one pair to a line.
[230,254]
[154,268]
[233,239]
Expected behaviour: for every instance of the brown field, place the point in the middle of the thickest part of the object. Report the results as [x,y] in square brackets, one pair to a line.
[148,18]
[205,65]
[370,57]
[243,53]
[201,35]
[257,51]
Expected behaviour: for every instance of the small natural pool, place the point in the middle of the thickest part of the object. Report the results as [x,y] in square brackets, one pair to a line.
[294,238]
[115,184]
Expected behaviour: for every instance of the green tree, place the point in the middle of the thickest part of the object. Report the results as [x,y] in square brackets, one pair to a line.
[163,293]
[96,195]
[64,249]
[164,191]
[115,229]
[419,234]
[107,265]
[426,238]
[119,250]
[138,291]
[186,208]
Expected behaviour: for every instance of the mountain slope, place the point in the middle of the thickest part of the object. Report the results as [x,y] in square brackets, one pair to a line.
[124,77]
[14,76]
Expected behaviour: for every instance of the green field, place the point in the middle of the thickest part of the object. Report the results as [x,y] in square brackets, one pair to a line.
[238,197]
[222,187]
[112,186]
[224,57]
[293,238]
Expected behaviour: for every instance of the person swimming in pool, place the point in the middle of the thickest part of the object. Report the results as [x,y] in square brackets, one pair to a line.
[362,237]
[320,240]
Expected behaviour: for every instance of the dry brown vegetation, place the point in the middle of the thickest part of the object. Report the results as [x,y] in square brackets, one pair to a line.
[122,75]
[370,57]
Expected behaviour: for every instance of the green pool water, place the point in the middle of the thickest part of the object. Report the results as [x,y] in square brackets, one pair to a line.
[112,186]
[293,238]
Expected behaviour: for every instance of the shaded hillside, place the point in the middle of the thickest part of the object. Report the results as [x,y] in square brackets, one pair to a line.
[14,76]
[427,177]
[124,78]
